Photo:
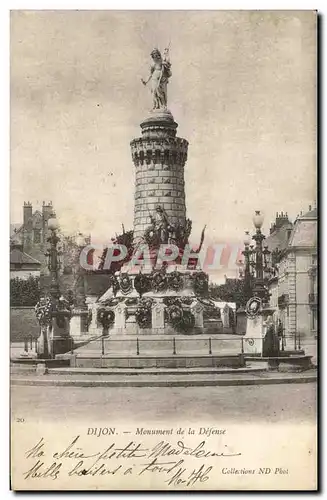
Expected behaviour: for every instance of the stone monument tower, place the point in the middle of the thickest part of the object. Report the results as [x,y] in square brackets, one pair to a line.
[159,157]
[166,298]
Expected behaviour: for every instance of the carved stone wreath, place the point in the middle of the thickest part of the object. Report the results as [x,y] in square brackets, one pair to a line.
[159,281]
[125,283]
[142,283]
[143,313]
[105,317]
[200,283]
[175,281]
[253,307]
[174,315]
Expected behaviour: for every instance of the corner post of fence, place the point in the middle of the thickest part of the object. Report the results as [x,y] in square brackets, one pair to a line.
[137,346]
[210,347]
[174,346]
[102,345]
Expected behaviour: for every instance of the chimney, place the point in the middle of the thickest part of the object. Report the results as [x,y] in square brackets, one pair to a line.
[27,215]
[281,219]
[47,211]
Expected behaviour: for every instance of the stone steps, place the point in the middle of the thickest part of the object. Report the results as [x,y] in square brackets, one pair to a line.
[165,380]
[158,371]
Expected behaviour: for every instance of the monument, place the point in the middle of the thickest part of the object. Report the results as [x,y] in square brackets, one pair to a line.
[159,290]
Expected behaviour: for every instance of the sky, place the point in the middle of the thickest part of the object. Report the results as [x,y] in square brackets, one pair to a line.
[242,91]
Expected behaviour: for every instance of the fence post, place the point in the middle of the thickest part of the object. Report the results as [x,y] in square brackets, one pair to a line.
[299,341]
[31,342]
[35,345]
[26,344]
[295,341]
[71,346]
[174,346]
[242,346]
[210,349]
[102,345]
[137,346]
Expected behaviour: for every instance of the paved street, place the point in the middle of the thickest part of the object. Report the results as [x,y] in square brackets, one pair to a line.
[275,403]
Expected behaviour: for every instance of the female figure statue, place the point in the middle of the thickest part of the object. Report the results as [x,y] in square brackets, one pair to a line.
[159,76]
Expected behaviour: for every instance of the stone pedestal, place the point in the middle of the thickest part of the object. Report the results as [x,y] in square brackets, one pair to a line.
[93,307]
[44,342]
[253,339]
[225,316]
[120,318]
[78,323]
[158,317]
[197,311]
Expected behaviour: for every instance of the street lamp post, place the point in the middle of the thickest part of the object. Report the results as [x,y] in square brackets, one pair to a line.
[79,274]
[259,288]
[257,259]
[60,311]
[257,274]
[78,322]
[247,271]
[53,258]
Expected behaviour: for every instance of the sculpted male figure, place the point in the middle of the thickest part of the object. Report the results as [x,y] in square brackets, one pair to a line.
[160,224]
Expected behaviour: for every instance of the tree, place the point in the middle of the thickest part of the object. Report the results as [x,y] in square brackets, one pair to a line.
[231,291]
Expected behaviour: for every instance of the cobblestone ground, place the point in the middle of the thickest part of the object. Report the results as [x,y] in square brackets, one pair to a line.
[247,404]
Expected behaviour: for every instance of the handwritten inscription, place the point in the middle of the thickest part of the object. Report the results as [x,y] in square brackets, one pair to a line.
[176,463]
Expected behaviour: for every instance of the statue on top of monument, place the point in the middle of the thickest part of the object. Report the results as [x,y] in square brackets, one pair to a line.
[159,75]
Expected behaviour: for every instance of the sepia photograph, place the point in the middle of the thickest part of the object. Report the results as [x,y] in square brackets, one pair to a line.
[163,250]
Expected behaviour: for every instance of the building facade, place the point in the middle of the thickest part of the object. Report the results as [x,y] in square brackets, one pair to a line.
[31,237]
[22,265]
[293,291]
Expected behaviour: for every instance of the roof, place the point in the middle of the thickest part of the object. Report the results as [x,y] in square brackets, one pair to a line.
[312,214]
[19,257]
[304,233]
[279,238]
[15,229]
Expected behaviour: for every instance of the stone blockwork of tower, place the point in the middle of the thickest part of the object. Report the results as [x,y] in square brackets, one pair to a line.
[159,158]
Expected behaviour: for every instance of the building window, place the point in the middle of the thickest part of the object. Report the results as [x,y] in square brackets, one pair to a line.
[37,235]
[314,319]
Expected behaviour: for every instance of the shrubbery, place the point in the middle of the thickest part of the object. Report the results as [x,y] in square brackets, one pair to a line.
[24,292]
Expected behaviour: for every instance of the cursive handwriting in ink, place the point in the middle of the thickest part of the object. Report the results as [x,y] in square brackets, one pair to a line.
[99,470]
[164,449]
[164,467]
[36,451]
[199,474]
[39,471]
[70,452]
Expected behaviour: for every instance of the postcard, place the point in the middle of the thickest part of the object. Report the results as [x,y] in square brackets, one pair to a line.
[163,250]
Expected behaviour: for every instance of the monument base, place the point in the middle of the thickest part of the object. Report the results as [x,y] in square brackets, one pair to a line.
[253,339]
[78,324]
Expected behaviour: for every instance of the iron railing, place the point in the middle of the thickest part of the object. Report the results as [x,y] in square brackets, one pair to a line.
[177,345]
[174,345]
